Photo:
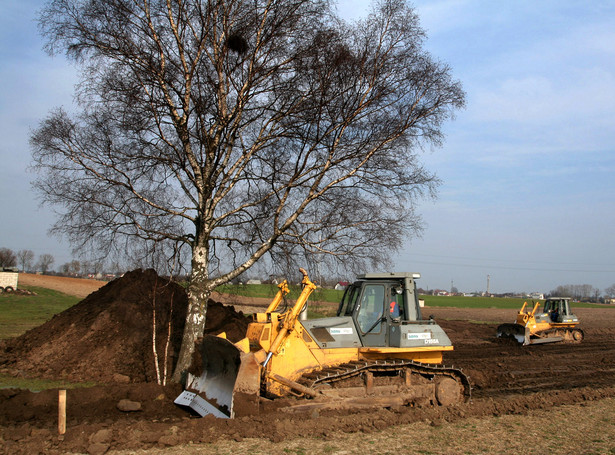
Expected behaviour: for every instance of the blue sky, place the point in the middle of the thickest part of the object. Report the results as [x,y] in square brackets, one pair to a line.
[528,193]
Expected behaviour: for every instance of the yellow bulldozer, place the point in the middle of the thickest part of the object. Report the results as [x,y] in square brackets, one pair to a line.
[555,323]
[377,351]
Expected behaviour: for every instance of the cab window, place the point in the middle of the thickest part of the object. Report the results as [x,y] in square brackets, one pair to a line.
[396,305]
[372,308]
[348,302]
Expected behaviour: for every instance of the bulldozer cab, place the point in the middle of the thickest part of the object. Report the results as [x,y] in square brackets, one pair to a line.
[377,301]
[558,308]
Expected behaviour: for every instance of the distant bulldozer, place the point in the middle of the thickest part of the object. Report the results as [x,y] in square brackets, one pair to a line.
[554,324]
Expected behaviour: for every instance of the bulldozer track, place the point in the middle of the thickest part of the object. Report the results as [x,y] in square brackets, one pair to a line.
[570,335]
[353,369]
[566,335]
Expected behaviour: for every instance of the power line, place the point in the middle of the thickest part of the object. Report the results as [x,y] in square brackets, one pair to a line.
[521,261]
[504,267]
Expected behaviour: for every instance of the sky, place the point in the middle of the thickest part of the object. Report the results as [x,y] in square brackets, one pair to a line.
[528,190]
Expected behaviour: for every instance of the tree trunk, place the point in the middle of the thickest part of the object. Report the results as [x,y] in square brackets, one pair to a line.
[198,294]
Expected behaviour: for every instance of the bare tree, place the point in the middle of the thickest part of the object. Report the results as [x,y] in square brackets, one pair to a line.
[25,258]
[45,261]
[116,268]
[85,266]
[7,258]
[242,131]
[610,291]
[576,291]
[75,267]
[162,257]
[98,267]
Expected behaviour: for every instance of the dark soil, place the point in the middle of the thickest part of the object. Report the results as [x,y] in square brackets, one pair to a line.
[107,338]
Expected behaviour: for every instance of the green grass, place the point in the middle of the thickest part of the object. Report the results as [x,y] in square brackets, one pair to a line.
[34,384]
[472,302]
[270,290]
[333,296]
[20,313]
[491,302]
[317,310]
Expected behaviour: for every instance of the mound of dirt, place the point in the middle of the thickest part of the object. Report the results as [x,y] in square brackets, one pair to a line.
[116,333]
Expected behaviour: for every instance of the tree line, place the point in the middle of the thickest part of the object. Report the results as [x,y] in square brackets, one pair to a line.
[584,292]
[24,260]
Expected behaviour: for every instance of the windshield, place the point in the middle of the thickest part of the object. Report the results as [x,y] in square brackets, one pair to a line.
[372,305]
[348,301]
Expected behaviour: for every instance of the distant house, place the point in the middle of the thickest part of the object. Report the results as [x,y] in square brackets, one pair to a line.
[537,296]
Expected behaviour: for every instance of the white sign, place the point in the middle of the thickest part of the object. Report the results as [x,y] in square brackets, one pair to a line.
[341,331]
[419,336]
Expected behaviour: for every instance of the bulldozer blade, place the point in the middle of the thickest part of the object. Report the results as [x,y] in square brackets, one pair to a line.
[514,331]
[211,378]
[218,370]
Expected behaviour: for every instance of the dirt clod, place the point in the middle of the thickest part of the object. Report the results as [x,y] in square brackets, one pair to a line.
[129,406]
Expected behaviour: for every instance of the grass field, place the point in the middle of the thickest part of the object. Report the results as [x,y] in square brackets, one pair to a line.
[20,313]
[488,302]
[270,290]
[331,295]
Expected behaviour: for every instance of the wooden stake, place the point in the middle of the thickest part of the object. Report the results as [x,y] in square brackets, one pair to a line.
[369,382]
[408,376]
[61,412]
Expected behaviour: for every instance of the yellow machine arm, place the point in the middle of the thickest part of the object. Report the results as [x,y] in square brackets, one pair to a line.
[275,303]
[523,317]
[291,316]
[535,308]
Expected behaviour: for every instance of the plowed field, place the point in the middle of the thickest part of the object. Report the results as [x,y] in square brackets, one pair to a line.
[79,287]
[508,380]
